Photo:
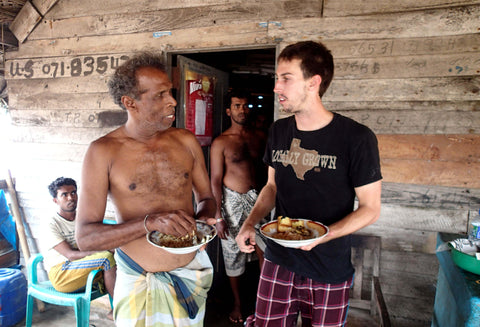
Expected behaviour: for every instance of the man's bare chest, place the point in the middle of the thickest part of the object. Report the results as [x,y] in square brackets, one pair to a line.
[243,150]
[151,171]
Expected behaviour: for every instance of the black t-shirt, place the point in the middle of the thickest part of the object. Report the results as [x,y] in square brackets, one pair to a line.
[315,174]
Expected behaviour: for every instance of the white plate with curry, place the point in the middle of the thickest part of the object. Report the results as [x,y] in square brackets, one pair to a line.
[299,233]
[186,244]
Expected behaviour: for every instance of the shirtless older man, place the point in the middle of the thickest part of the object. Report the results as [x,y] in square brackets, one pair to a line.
[237,173]
[149,169]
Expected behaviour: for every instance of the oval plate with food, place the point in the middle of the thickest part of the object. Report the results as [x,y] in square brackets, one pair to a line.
[205,233]
[314,229]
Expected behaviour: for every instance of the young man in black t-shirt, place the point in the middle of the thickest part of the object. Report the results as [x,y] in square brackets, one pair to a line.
[319,161]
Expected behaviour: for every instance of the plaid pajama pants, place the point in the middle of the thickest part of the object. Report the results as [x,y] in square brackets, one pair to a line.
[282,295]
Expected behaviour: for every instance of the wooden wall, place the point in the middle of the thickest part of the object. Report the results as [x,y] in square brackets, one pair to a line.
[407,69]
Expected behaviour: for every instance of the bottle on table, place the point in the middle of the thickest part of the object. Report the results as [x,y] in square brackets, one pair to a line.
[474,229]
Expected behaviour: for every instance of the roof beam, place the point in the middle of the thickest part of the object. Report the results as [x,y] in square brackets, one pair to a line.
[26,20]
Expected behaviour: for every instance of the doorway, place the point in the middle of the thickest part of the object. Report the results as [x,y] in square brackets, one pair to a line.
[252,70]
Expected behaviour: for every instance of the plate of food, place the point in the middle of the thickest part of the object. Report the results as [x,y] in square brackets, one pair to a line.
[185,244]
[293,233]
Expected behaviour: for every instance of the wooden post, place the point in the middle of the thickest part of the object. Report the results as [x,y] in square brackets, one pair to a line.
[20,228]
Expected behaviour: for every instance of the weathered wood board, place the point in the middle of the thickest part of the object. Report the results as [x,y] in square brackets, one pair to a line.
[428,23]
[137,18]
[25,21]
[457,64]
[409,70]
[350,8]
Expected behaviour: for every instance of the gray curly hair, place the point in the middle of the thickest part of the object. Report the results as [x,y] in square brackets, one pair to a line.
[124,80]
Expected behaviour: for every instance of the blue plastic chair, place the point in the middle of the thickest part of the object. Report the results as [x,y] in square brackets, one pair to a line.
[44,291]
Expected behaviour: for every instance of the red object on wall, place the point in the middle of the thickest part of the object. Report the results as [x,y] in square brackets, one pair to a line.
[199,109]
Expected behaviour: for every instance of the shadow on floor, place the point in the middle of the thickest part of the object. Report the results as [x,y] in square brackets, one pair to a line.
[220,299]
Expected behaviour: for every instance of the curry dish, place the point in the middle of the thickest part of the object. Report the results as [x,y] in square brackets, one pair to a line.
[171,241]
[291,230]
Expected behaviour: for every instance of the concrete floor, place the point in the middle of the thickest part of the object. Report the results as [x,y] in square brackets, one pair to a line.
[61,316]
[219,304]
[218,307]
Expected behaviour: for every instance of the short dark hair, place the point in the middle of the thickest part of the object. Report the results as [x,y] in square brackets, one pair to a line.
[315,59]
[59,182]
[124,81]
[237,93]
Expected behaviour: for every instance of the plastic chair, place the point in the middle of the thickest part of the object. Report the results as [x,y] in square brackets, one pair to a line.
[44,291]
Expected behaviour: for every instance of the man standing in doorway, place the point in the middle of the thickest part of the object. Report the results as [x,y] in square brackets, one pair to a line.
[319,161]
[237,174]
[150,170]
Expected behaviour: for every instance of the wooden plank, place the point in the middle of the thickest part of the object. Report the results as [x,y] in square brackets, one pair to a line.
[395,46]
[43,6]
[61,67]
[69,118]
[408,296]
[417,122]
[81,84]
[98,110]
[410,285]
[427,196]
[25,21]
[443,220]
[459,93]
[49,170]
[438,22]
[72,8]
[420,89]
[431,173]
[56,135]
[218,37]
[289,30]
[333,8]
[460,64]
[75,101]
[410,311]
[461,148]
[394,239]
[409,262]
[160,19]
[441,106]
[54,152]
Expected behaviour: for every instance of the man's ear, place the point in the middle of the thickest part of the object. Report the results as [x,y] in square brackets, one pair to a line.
[315,82]
[228,111]
[128,102]
[55,200]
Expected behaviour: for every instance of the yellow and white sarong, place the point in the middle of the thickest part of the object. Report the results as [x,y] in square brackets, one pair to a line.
[175,298]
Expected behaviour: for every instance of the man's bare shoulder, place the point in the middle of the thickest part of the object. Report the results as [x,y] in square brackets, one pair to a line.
[223,138]
[182,135]
[108,139]
[182,132]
